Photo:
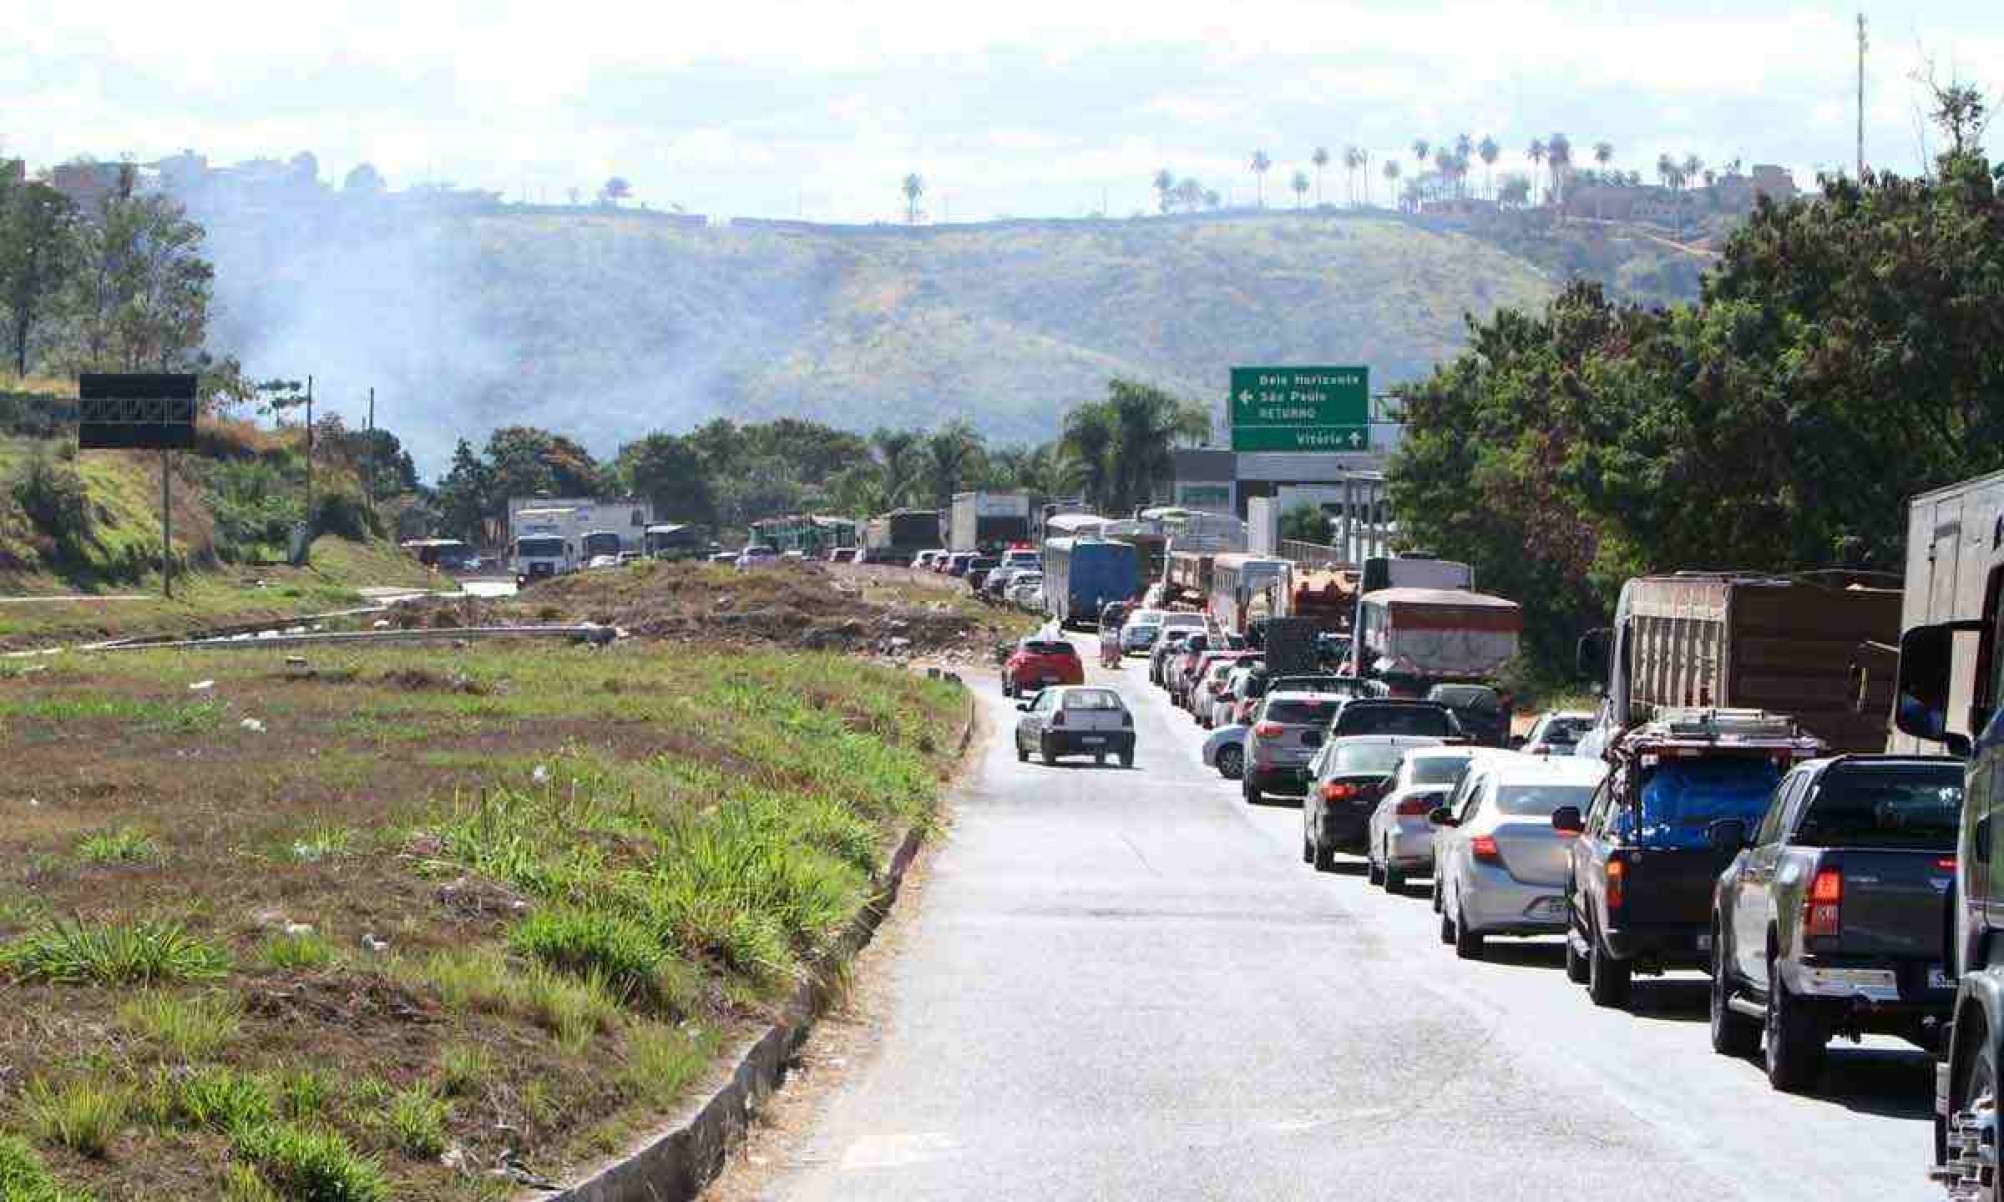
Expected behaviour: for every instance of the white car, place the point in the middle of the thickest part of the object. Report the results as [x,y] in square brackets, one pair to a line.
[1075,720]
[1499,867]
[1400,839]
[1224,706]
[1557,732]
[1225,750]
[756,556]
[602,561]
[1026,590]
[925,559]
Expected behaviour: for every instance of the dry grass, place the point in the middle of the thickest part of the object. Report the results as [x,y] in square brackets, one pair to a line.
[403,917]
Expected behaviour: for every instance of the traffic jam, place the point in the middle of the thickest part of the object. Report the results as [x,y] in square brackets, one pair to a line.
[1766,783]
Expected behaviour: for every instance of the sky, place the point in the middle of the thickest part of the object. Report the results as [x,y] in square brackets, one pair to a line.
[1030,108]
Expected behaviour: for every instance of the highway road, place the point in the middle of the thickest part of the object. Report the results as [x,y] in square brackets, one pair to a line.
[1126,984]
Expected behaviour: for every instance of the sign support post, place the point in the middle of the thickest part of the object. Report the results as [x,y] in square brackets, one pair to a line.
[141,412]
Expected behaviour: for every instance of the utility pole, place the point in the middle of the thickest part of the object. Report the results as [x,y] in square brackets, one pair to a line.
[369,485]
[309,457]
[1861,97]
[166,526]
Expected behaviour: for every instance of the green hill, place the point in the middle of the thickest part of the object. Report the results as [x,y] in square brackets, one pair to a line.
[608,324]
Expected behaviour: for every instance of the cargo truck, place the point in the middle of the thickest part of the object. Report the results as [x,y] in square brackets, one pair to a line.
[897,536]
[988,521]
[1414,638]
[1785,645]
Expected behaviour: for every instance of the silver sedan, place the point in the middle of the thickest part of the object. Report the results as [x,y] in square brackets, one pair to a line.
[1499,867]
[1400,839]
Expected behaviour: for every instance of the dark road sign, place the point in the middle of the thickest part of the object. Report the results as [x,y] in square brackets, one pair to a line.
[1300,409]
[144,412]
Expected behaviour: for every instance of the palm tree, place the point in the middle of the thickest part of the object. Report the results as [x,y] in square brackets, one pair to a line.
[1189,194]
[1463,146]
[1666,170]
[1391,170]
[1516,190]
[1321,159]
[1559,158]
[1693,166]
[1260,166]
[1422,148]
[894,462]
[1088,445]
[914,187]
[1536,153]
[1603,153]
[953,458]
[1164,184]
[1443,164]
[1211,198]
[1300,185]
[1487,150]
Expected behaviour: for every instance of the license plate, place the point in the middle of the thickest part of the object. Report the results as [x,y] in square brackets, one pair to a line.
[1938,978]
[1092,740]
[1548,907]
[1704,941]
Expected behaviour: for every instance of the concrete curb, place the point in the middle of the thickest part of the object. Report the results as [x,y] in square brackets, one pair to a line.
[675,1163]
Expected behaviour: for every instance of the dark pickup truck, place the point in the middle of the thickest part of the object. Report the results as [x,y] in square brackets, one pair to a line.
[1831,921]
[1640,872]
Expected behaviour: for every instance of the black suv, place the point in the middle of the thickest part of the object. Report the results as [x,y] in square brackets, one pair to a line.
[1387,716]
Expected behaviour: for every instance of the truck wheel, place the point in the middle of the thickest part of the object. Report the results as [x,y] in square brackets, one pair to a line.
[1576,964]
[1733,1034]
[1794,1038]
[1608,979]
[1467,942]
[1969,1125]
[1395,876]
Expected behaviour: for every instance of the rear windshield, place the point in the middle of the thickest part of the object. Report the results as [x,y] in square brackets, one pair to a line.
[1538,801]
[540,548]
[1048,647]
[1367,757]
[1298,713]
[1183,620]
[1479,698]
[1438,769]
[1093,699]
[1681,798]
[1565,730]
[1395,720]
[1885,807]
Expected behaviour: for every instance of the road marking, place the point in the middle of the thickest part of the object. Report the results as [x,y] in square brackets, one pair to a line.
[896,1151]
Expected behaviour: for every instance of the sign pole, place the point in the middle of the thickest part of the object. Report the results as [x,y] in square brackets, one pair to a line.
[166,526]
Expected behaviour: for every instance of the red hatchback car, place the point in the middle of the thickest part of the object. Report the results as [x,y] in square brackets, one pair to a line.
[1039,663]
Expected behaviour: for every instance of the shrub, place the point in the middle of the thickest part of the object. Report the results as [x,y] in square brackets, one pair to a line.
[302,1092]
[83,1115]
[571,1008]
[417,1122]
[624,955]
[23,1178]
[463,1069]
[242,1184]
[56,500]
[306,1164]
[470,978]
[661,1060]
[344,514]
[192,1028]
[306,950]
[140,953]
[120,845]
[218,1099]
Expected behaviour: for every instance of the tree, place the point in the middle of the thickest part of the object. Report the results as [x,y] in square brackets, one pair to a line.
[1260,165]
[1559,158]
[364,180]
[1391,171]
[895,450]
[1305,523]
[465,495]
[528,462]
[1165,183]
[140,296]
[1321,159]
[613,191]
[1421,149]
[1488,151]
[38,257]
[1190,195]
[913,188]
[1088,445]
[1536,153]
[954,458]
[1516,190]
[1300,185]
[1603,154]
[668,471]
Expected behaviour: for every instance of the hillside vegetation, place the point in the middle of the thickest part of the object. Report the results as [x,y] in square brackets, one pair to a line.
[607,324]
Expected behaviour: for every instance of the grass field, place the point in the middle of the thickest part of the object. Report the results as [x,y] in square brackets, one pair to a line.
[371,928]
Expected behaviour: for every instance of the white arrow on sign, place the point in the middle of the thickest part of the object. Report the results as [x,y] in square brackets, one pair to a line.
[1356,439]
[1245,394]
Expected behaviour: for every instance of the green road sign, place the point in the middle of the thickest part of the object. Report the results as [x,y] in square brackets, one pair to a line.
[1301,409]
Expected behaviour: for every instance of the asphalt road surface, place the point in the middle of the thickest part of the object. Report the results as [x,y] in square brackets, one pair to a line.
[1126,984]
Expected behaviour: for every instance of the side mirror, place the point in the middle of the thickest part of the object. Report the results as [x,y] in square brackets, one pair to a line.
[1440,816]
[1920,700]
[1516,742]
[1567,820]
[1023,707]
[1727,834]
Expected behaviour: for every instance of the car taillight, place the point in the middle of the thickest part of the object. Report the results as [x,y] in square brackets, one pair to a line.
[1336,790]
[1946,863]
[1617,880]
[1268,730]
[1415,807]
[1483,847]
[1822,912]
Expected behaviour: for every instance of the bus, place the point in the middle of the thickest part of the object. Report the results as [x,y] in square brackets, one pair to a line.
[1082,575]
[1245,587]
